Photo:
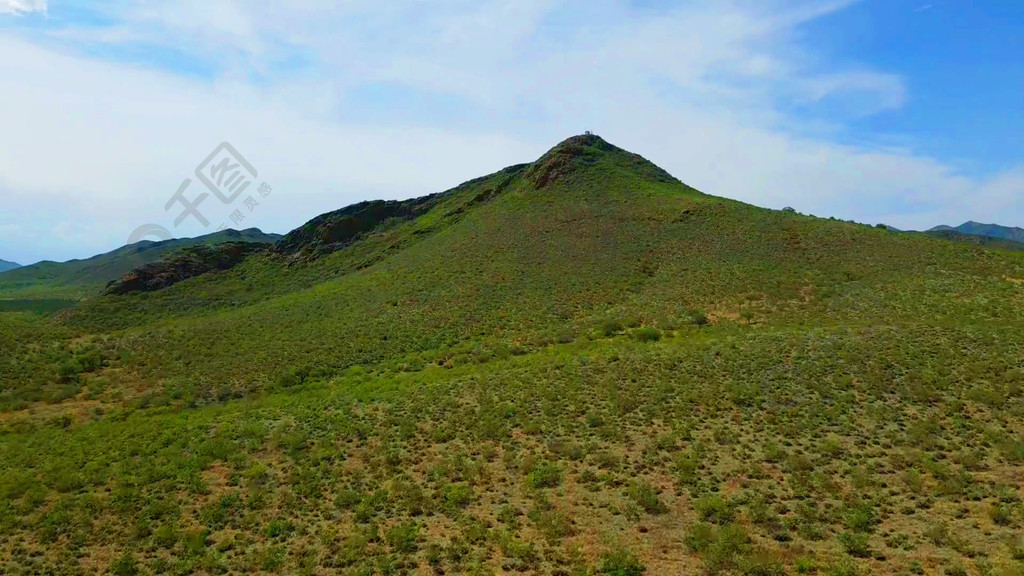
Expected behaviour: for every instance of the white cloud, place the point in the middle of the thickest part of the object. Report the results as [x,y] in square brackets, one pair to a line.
[701,89]
[22,6]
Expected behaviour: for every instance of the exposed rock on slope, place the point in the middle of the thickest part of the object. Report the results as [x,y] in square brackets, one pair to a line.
[334,230]
[182,265]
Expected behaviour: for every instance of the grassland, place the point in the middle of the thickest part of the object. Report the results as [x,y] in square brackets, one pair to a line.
[579,366]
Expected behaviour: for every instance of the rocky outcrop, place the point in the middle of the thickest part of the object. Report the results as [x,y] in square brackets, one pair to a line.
[182,265]
[335,230]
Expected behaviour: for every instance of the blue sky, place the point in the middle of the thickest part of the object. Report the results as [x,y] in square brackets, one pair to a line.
[904,112]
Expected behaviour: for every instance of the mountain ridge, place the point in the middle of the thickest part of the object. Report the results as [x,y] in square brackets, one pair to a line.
[88,276]
[6,265]
[972,228]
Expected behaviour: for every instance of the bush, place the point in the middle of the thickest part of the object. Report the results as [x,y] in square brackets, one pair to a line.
[293,377]
[545,475]
[402,537]
[714,509]
[860,518]
[720,547]
[621,563]
[646,334]
[456,497]
[855,544]
[553,524]
[611,328]
[647,498]
[699,318]
[125,565]
[1001,515]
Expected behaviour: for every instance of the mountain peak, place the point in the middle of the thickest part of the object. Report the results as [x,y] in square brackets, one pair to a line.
[578,152]
[575,143]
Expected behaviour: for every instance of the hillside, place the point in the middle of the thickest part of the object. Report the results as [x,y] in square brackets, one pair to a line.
[987,230]
[5,265]
[79,278]
[579,365]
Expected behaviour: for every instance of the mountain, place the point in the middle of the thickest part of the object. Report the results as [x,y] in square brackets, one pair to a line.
[5,265]
[579,365]
[988,230]
[77,278]
[978,239]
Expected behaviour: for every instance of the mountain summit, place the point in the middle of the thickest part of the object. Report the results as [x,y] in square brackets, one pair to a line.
[578,152]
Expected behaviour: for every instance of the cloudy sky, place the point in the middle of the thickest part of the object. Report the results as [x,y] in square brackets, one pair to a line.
[903,112]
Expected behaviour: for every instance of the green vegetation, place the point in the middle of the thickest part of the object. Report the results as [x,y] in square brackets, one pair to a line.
[579,366]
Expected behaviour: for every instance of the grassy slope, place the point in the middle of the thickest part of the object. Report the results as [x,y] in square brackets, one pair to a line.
[518,384]
[83,278]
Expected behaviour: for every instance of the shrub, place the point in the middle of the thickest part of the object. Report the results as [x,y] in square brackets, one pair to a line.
[621,563]
[553,524]
[855,544]
[714,509]
[720,547]
[456,497]
[699,318]
[647,498]
[509,515]
[860,518]
[611,328]
[545,475]
[1001,515]
[165,536]
[402,537]
[292,377]
[806,565]
[125,565]
[646,334]
[278,527]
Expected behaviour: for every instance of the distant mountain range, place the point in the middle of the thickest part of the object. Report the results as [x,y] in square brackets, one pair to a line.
[5,265]
[76,278]
[989,230]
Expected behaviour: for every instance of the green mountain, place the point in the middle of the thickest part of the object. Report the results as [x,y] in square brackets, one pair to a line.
[579,365]
[988,230]
[993,242]
[78,278]
[5,265]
